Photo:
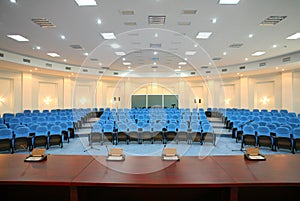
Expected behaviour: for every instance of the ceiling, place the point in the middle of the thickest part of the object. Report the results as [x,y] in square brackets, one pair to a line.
[150,48]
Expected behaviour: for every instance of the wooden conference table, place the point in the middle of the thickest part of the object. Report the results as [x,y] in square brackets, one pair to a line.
[69,177]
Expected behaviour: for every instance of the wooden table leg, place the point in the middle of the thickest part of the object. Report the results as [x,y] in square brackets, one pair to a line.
[234,194]
[73,193]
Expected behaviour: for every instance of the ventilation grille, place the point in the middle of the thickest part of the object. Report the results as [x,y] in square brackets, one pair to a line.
[93,59]
[272,20]
[224,70]
[43,22]
[189,12]
[126,12]
[85,70]
[48,65]
[154,67]
[77,47]
[207,71]
[184,23]
[26,60]
[236,45]
[262,64]
[105,68]
[154,45]
[130,23]
[1,55]
[116,73]
[242,67]
[68,68]
[155,59]
[193,73]
[204,67]
[286,59]
[158,20]
[100,72]
[216,58]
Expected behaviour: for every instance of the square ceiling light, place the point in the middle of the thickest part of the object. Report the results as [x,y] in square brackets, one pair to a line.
[190,53]
[294,36]
[53,54]
[229,1]
[120,53]
[203,35]
[108,36]
[86,2]
[18,38]
[258,53]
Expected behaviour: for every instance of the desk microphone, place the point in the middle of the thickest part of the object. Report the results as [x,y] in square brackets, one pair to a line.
[163,149]
[107,150]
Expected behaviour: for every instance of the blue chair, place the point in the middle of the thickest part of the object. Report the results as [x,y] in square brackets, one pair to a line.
[41,137]
[96,135]
[21,138]
[122,134]
[6,137]
[264,137]
[296,139]
[158,134]
[195,133]
[146,133]
[55,136]
[171,132]
[207,133]
[65,131]
[283,139]
[182,134]
[108,133]
[248,136]
[3,126]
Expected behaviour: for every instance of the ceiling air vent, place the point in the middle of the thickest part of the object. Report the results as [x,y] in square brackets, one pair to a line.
[154,67]
[242,67]
[116,73]
[204,67]
[126,12]
[105,68]
[193,73]
[224,70]
[48,65]
[272,20]
[155,45]
[93,59]
[236,45]
[130,23]
[68,68]
[26,60]
[43,22]
[77,47]
[155,59]
[189,12]
[207,72]
[216,58]
[184,23]
[262,64]
[157,20]
[85,70]
[1,55]
[100,72]
[286,59]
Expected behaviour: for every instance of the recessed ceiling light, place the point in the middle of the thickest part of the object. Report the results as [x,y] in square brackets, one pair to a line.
[85,54]
[123,59]
[224,53]
[13,1]
[108,36]
[30,70]
[229,1]
[99,21]
[214,20]
[258,53]
[126,63]
[38,47]
[246,59]
[250,35]
[294,36]
[179,66]
[18,38]
[120,53]
[177,70]
[185,59]
[35,69]
[115,45]
[190,53]
[100,64]
[129,67]
[182,63]
[196,45]
[62,37]
[155,53]
[53,54]
[274,46]
[156,35]
[65,60]
[277,68]
[86,2]
[203,35]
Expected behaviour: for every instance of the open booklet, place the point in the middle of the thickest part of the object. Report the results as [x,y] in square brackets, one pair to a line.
[170,154]
[115,154]
[253,154]
[36,156]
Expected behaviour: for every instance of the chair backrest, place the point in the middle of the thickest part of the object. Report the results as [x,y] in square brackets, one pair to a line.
[282,132]
[296,133]
[108,128]
[248,130]
[183,127]
[122,128]
[55,130]
[171,127]
[41,131]
[6,133]
[263,131]
[132,127]
[22,132]
[207,128]
[97,128]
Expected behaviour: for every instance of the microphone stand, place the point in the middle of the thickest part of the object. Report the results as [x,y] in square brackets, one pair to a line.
[242,125]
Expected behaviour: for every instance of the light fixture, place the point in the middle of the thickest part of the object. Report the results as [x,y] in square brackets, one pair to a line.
[155,53]
[250,35]
[190,53]
[53,54]
[177,70]
[65,60]
[120,53]
[224,53]
[130,70]
[99,21]
[86,2]
[227,101]
[108,36]
[13,1]
[126,63]
[294,36]
[154,63]
[229,1]
[2,99]
[129,67]
[100,64]
[156,35]
[115,45]
[85,54]
[82,101]
[38,47]
[123,59]
[182,63]
[35,69]
[47,100]
[264,100]
[63,37]
[185,59]
[179,66]
[18,37]
[203,35]
[246,59]
[196,45]
[258,53]
[274,46]
[214,20]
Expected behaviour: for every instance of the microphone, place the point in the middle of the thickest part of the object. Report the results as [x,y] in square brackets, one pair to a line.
[107,150]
